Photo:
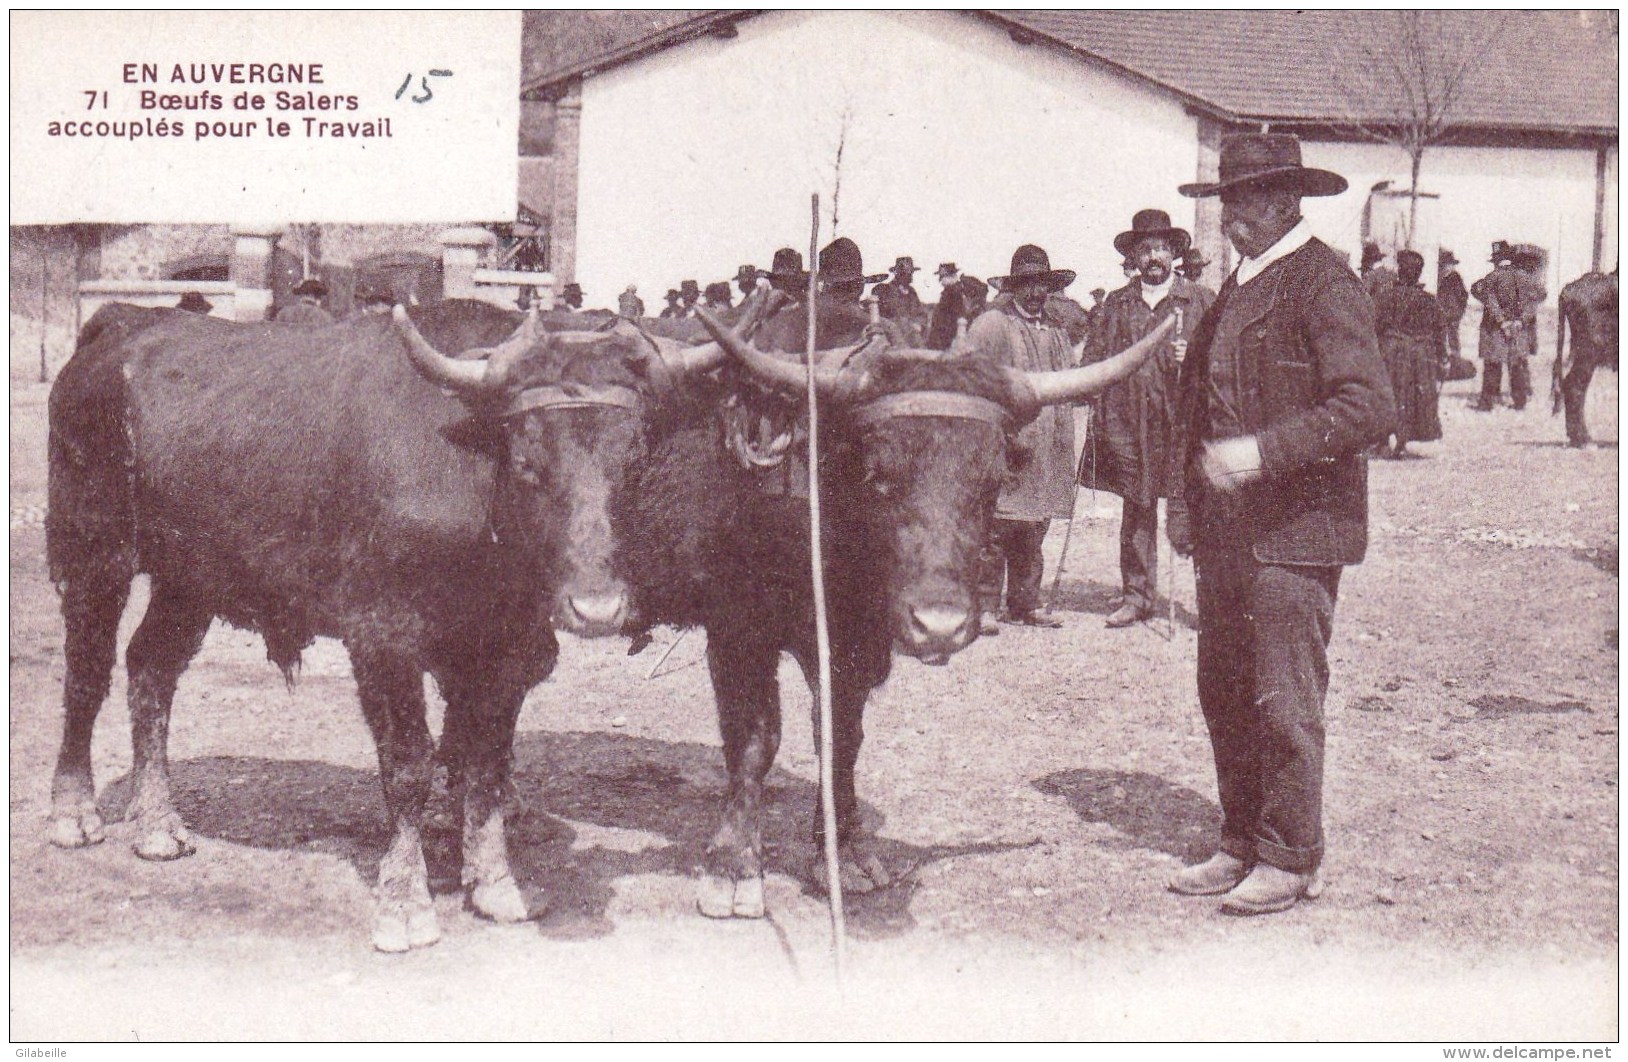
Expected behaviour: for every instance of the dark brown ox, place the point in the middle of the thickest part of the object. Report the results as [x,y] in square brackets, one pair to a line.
[437,514]
[1589,306]
[913,453]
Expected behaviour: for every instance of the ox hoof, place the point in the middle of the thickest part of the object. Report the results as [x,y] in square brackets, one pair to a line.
[861,870]
[499,901]
[722,897]
[164,844]
[77,829]
[397,931]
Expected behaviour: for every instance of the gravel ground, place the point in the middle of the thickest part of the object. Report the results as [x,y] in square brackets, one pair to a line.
[1043,784]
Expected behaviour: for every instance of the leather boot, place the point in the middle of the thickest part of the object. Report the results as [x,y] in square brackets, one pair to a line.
[1269,889]
[1215,875]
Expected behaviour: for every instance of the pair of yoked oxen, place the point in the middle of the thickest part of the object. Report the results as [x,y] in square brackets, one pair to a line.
[443,489]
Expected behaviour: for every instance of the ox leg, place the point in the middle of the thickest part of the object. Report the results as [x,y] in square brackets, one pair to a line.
[169,637]
[748,695]
[860,866]
[90,613]
[1574,392]
[392,694]
[477,746]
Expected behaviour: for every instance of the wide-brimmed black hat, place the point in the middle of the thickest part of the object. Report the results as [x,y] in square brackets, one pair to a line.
[1271,159]
[1444,257]
[748,273]
[1501,250]
[947,269]
[312,286]
[1371,254]
[689,287]
[672,295]
[904,264]
[1030,262]
[719,290]
[788,265]
[841,263]
[573,288]
[1148,223]
[194,302]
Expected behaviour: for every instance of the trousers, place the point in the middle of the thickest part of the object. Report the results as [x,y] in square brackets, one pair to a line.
[1139,554]
[1520,381]
[1015,559]
[1262,676]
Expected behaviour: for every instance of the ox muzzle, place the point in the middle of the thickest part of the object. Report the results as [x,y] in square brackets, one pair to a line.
[934,618]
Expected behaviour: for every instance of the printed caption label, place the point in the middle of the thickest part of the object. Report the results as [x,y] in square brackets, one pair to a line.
[213,116]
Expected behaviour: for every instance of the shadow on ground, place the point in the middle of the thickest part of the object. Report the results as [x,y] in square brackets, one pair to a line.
[1102,598]
[661,798]
[1147,811]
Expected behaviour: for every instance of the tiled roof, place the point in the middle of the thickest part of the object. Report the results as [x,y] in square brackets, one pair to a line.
[1542,70]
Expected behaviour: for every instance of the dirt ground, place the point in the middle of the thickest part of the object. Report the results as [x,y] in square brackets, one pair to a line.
[1044,784]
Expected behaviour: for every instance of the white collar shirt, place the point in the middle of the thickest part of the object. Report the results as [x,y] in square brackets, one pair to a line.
[1287,244]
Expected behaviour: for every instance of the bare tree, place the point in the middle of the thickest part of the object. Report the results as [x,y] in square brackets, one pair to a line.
[1403,75]
[845,122]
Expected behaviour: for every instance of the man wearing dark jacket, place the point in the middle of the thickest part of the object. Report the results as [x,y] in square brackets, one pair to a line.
[1282,390]
[1451,296]
[1126,452]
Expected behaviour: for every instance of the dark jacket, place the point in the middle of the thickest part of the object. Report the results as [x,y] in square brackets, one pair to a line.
[1452,297]
[1127,451]
[1315,394]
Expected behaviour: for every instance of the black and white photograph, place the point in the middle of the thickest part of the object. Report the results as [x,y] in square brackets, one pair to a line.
[815,525]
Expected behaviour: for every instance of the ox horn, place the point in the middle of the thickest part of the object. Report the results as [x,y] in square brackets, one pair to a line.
[482,370]
[1063,385]
[759,306]
[766,367]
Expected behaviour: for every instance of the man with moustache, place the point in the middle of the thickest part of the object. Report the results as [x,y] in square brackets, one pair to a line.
[1127,451]
[1282,390]
[1016,332]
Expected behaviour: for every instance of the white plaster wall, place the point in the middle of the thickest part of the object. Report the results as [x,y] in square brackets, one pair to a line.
[961,145]
[1536,196]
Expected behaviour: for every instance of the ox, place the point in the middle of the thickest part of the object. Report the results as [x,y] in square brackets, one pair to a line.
[914,448]
[438,515]
[1589,305]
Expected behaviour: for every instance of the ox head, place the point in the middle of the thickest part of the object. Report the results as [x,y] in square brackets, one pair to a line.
[917,455]
[570,410]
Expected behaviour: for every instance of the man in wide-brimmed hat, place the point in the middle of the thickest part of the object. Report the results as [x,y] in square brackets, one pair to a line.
[689,293]
[746,279]
[306,309]
[1016,332]
[788,275]
[1127,451]
[675,309]
[842,271]
[718,296]
[898,302]
[1378,277]
[1282,390]
[1451,296]
[1509,297]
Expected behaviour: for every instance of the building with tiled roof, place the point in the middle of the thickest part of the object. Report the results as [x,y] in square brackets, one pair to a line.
[671,135]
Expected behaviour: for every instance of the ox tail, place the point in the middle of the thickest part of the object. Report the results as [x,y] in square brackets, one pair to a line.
[1557,376]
